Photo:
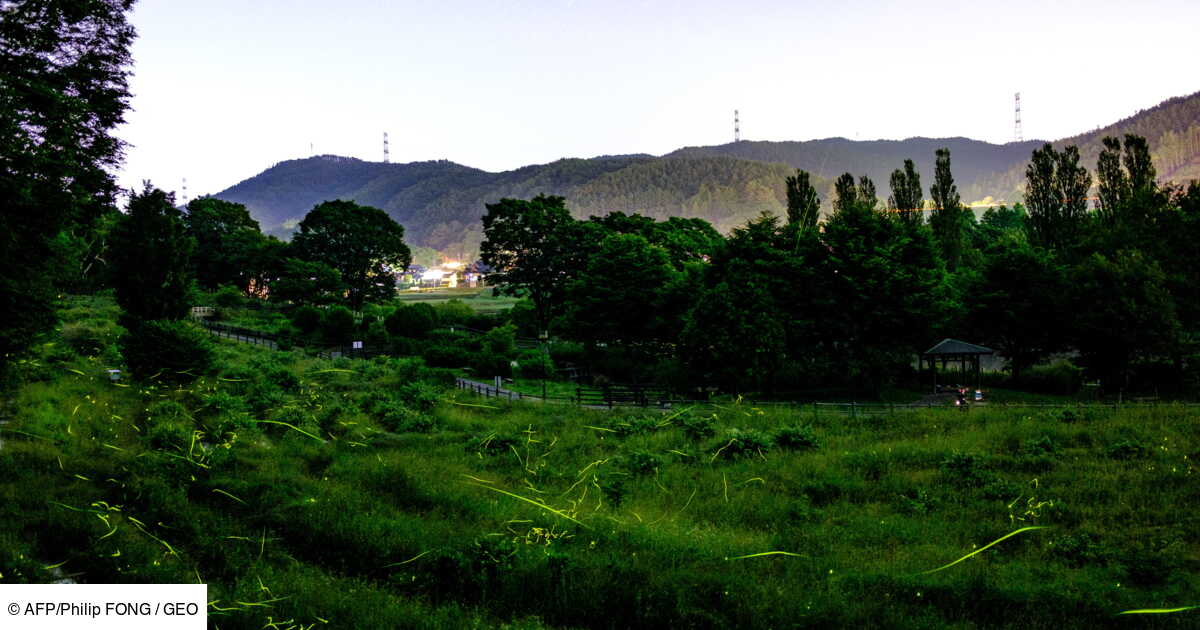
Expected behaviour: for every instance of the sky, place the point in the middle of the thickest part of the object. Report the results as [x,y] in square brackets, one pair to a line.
[223,89]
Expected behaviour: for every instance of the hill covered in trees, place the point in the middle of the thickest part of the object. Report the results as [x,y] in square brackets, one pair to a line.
[440,202]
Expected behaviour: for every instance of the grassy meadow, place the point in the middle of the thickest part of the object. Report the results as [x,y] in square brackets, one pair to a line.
[310,493]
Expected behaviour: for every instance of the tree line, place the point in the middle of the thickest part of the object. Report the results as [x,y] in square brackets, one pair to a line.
[797,302]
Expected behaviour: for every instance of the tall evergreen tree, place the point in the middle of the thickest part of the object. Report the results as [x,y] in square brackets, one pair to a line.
[1113,183]
[1056,195]
[151,260]
[947,217]
[866,192]
[907,197]
[845,193]
[803,205]
[63,90]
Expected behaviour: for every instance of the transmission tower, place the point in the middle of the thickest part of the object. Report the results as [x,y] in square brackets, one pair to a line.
[185,197]
[1017,134]
[385,148]
[737,127]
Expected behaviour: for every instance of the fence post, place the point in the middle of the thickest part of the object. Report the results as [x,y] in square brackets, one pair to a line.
[853,409]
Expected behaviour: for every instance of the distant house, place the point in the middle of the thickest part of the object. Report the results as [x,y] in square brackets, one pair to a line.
[475,274]
[410,277]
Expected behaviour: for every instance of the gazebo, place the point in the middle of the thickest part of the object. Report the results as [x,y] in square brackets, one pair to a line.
[949,351]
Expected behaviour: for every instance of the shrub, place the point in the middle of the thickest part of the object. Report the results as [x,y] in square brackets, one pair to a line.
[965,470]
[1060,377]
[493,444]
[448,356]
[633,425]
[797,438]
[418,396]
[228,297]
[535,364]
[454,312]
[307,319]
[413,321]
[89,338]
[487,365]
[337,326]
[640,463]
[698,427]
[1127,449]
[174,350]
[743,442]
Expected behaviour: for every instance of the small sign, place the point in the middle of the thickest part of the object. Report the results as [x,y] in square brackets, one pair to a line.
[357,345]
[114,375]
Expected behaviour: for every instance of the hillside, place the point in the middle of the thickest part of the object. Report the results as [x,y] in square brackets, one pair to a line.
[1172,128]
[439,203]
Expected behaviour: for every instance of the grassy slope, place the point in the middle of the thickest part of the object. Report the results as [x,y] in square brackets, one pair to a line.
[399,517]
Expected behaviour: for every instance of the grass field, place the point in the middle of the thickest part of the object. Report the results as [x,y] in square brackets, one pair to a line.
[364,495]
[482,299]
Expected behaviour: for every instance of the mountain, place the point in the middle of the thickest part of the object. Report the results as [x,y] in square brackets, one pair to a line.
[1172,128]
[440,203]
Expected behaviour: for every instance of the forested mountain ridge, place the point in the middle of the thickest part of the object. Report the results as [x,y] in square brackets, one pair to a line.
[440,202]
[1172,128]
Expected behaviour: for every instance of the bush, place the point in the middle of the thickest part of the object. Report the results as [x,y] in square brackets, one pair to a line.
[797,438]
[743,443]
[698,427]
[965,470]
[228,297]
[307,319]
[413,321]
[487,365]
[640,463]
[1060,377]
[454,313]
[179,350]
[337,326]
[535,364]
[447,356]
[1127,449]
[418,396]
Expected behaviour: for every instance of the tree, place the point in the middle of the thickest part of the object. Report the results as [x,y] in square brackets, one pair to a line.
[1130,314]
[907,197]
[363,243]
[1056,194]
[529,245]
[307,283]
[151,259]
[845,193]
[619,297]
[947,217]
[1015,303]
[1113,184]
[227,240]
[63,89]
[803,205]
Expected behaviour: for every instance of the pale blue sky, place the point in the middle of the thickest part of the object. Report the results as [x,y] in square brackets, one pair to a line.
[225,88]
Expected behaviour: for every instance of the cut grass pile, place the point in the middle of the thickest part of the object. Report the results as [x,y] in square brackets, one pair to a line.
[365,494]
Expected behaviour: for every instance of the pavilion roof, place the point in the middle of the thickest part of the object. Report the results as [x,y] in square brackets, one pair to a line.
[954,347]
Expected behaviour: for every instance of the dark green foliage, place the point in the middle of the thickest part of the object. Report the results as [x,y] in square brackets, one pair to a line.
[697,428]
[965,470]
[150,259]
[743,443]
[337,325]
[362,243]
[797,438]
[1014,302]
[228,297]
[640,463]
[413,321]
[63,90]
[1056,195]
[307,282]
[803,205]
[526,243]
[948,216]
[175,350]
[908,198]
[1127,449]
[227,241]
[307,320]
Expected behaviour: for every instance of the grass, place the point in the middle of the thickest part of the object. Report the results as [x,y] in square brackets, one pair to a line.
[474,513]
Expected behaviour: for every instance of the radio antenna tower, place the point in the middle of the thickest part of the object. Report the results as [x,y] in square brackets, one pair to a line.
[185,197]
[386,158]
[1017,134]
[737,128]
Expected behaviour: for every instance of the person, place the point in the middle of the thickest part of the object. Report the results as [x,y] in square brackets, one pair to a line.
[961,402]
